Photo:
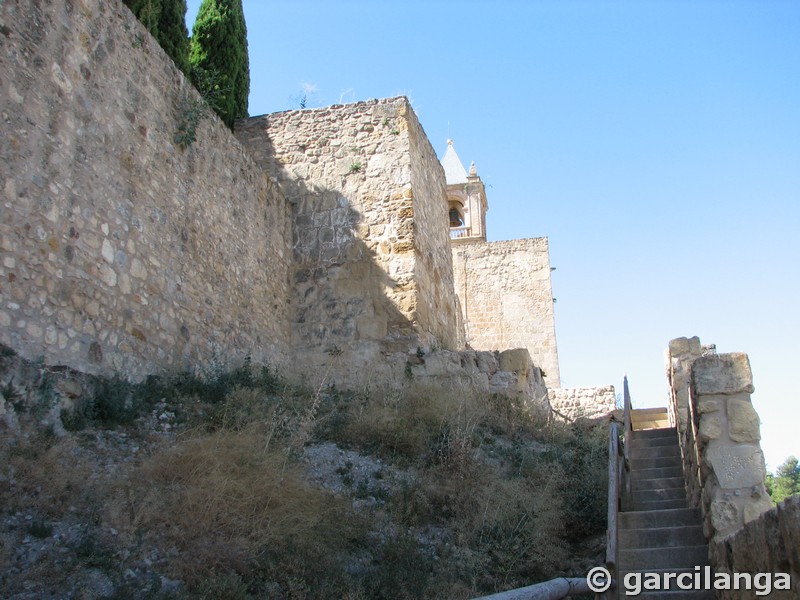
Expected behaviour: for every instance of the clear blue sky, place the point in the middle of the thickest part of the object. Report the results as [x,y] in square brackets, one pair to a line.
[656,144]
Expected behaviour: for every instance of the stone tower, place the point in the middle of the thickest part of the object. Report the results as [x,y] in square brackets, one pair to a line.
[466,199]
[504,288]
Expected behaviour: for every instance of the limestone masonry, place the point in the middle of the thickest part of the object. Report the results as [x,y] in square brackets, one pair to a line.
[329,243]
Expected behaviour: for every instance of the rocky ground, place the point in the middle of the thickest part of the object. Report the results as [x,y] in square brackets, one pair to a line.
[87,510]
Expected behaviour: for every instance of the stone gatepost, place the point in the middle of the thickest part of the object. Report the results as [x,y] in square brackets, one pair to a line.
[731,463]
[681,354]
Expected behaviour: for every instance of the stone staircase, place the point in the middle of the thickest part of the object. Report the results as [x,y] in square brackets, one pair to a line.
[659,533]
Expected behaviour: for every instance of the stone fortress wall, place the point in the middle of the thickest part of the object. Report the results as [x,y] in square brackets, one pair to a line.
[372,272]
[122,252]
[506,297]
[317,242]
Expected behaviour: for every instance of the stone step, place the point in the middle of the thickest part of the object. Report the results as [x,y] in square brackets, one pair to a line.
[655,462]
[659,483]
[649,425]
[666,432]
[649,418]
[652,411]
[678,557]
[656,473]
[652,442]
[661,537]
[659,505]
[656,451]
[678,517]
[658,494]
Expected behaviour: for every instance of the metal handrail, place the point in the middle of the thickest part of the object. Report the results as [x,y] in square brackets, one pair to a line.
[555,589]
[627,434]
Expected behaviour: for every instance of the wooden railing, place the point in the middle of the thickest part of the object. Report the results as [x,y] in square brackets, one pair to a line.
[619,486]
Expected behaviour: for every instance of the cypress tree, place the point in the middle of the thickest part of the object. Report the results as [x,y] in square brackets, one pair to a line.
[172,33]
[148,12]
[218,52]
[166,21]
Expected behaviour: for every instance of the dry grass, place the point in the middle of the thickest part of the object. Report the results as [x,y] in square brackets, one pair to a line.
[492,500]
[50,476]
[235,508]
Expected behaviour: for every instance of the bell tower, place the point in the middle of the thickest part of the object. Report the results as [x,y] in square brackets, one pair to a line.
[466,199]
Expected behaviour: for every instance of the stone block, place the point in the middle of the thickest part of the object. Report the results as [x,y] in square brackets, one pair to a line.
[710,428]
[725,516]
[517,360]
[441,362]
[487,362]
[743,422]
[683,345]
[736,466]
[722,374]
[679,346]
[755,507]
[707,405]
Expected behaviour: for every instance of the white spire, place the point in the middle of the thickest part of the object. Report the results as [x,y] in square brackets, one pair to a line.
[454,171]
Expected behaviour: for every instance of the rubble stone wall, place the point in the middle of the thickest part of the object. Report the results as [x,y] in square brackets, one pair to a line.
[373,274]
[769,544]
[510,373]
[583,402]
[507,300]
[121,250]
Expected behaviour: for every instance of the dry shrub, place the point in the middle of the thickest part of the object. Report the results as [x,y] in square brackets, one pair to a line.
[430,426]
[50,477]
[230,504]
[518,527]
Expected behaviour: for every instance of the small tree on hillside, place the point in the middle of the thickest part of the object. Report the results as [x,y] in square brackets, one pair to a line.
[166,21]
[786,481]
[218,49]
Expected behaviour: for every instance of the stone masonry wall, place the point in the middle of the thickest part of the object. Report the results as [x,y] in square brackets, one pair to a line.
[510,373]
[769,544]
[438,316]
[507,300]
[726,428]
[584,402]
[372,273]
[122,251]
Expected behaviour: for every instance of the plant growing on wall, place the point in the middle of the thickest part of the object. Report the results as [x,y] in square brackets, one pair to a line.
[219,45]
[166,21]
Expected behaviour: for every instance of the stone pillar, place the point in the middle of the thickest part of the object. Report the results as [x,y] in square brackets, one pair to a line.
[679,357]
[681,354]
[731,463]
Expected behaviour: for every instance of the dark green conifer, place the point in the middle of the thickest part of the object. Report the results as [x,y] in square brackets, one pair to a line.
[218,52]
[172,33]
[148,12]
[166,21]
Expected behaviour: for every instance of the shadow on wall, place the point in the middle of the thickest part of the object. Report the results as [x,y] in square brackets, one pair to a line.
[349,318]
